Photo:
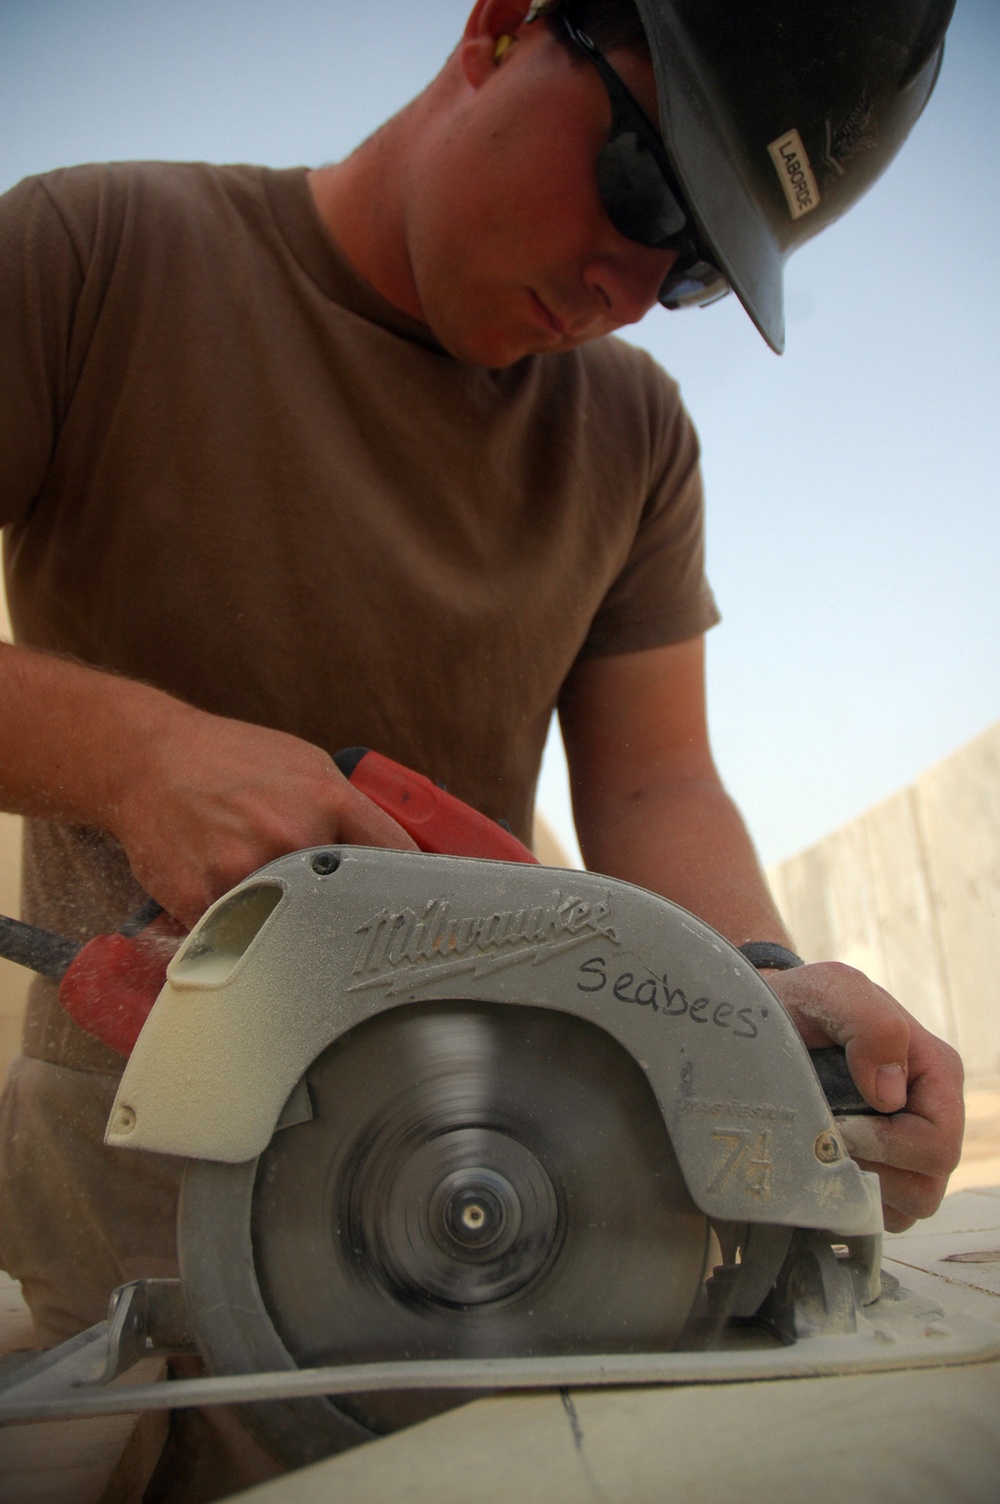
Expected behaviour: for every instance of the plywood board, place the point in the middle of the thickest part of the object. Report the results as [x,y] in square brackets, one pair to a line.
[102,1460]
[923,1437]
[94,1461]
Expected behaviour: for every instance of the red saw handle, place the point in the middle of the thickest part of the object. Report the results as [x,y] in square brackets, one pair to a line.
[436,820]
[112,982]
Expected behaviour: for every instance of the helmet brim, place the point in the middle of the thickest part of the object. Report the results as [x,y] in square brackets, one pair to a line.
[705,156]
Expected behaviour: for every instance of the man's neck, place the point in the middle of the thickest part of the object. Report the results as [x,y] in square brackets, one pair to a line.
[360,202]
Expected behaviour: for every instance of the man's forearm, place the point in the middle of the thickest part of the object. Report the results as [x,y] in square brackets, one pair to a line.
[70,736]
[198,801]
[648,801]
[686,840]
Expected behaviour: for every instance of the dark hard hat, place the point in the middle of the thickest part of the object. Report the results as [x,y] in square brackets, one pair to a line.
[778,115]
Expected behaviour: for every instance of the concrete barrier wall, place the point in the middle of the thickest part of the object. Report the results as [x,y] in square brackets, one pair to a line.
[909,892]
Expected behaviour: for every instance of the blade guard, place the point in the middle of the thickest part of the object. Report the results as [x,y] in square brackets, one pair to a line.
[320,940]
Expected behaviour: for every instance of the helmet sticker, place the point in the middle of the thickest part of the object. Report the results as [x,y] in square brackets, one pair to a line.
[858,134]
[796,176]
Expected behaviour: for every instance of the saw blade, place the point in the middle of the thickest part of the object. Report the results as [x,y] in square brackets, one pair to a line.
[475,1181]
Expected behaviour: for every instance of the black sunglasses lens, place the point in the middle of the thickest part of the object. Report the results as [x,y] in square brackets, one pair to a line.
[634,182]
[692,285]
[634,192]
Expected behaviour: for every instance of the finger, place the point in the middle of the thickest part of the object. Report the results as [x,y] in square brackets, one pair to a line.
[913,1152]
[936,1080]
[904,1141]
[185,897]
[906,1196]
[363,823]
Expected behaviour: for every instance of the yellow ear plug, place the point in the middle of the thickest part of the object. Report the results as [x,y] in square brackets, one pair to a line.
[501,47]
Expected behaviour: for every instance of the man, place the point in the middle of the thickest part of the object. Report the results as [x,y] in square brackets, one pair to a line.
[300,461]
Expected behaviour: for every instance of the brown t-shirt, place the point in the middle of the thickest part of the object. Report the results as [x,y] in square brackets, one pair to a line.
[229,468]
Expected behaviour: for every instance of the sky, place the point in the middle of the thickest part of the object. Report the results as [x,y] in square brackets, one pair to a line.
[853,535]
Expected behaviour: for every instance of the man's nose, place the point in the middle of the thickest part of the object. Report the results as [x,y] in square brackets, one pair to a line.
[626,285]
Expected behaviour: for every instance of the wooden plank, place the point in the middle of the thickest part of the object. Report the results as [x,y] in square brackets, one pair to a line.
[107,1460]
[966,1224]
[923,1437]
[93,1461]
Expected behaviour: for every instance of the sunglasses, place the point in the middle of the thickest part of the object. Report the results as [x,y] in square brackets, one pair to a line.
[639,190]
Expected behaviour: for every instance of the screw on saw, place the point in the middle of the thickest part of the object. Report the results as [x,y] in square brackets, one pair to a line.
[326,863]
[475,1212]
[124,1121]
[475,1215]
[828,1148]
[473,1218]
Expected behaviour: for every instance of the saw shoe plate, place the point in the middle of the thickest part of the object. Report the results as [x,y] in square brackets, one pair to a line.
[475,1181]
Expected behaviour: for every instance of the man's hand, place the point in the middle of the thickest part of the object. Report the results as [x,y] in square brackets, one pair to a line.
[197,800]
[900,1068]
[218,798]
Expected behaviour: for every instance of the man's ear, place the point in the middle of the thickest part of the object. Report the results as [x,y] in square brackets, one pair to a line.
[481,48]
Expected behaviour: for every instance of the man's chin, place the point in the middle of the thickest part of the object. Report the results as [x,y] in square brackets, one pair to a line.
[497,347]
[494,355]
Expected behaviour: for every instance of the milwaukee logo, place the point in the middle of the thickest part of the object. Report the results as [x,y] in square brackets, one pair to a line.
[796,176]
[441,941]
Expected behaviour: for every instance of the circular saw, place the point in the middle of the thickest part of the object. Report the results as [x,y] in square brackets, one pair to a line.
[454,1122]
[441,1108]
